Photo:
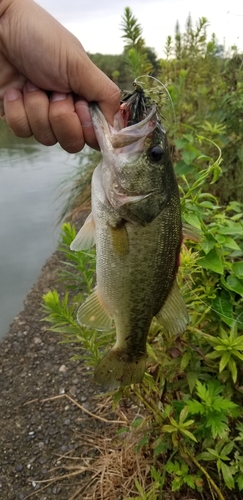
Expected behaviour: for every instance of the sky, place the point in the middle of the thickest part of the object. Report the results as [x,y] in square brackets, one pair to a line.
[96,23]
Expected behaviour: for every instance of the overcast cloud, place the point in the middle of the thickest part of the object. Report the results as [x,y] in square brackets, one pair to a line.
[97,24]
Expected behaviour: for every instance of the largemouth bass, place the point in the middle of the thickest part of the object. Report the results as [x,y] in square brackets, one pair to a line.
[136,226]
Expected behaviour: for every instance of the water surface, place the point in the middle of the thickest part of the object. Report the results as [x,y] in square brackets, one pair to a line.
[30,205]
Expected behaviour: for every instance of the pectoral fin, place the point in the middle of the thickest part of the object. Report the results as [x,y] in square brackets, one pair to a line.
[86,236]
[93,314]
[173,315]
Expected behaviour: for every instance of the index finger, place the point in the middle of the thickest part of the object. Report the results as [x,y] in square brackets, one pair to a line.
[92,84]
[111,103]
[82,110]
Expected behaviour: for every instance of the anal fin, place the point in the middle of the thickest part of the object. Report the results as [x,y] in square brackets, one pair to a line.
[85,238]
[173,315]
[93,314]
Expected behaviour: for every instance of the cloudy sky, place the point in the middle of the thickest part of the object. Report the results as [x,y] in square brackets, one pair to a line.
[97,22]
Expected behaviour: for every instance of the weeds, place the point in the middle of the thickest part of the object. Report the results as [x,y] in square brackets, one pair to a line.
[192,391]
[188,434]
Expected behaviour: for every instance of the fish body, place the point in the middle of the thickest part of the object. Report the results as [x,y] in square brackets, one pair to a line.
[136,225]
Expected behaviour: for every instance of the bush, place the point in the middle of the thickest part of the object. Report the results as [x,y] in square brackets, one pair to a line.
[192,391]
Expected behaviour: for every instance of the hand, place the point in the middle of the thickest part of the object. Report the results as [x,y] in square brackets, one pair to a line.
[47,79]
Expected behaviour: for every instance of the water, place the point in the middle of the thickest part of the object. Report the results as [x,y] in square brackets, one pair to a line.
[30,205]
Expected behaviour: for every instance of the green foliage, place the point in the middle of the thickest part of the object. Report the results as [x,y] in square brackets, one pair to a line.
[132,31]
[212,409]
[206,86]
[192,391]
[135,52]
[179,470]
[220,455]
[79,270]
[150,494]
[79,275]
[228,346]
[77,186]
[175,428]
[112,65]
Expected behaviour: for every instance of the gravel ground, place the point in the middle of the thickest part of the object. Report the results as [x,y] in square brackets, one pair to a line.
[33,367]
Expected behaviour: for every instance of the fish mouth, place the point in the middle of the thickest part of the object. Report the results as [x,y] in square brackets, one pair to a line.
[120,136]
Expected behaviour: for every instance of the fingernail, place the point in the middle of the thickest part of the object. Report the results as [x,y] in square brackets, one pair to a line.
[57,96]
[86,122]
[31,87]
[12,94]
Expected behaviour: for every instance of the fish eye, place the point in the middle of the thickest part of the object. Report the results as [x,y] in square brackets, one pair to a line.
[156,153]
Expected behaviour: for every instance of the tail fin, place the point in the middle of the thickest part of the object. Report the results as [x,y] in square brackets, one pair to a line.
[115,370]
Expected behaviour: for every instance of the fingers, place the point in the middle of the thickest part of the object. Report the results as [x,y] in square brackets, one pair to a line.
[82,110]
[48,120]
[88,81]
[15,114]
[65,122]
[36,107]
[110,105]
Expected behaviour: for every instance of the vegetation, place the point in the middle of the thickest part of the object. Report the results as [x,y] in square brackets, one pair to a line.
[190,426]
[205,84]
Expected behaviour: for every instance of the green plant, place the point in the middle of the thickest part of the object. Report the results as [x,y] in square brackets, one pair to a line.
[150,494]
[182,476]
[179,428]
[190,399]
[203,366]
[78,272]
[228,346]
[136,53]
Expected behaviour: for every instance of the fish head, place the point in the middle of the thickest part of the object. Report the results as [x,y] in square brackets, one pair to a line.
[137,171]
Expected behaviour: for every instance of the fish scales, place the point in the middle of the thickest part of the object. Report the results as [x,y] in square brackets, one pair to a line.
[136,224]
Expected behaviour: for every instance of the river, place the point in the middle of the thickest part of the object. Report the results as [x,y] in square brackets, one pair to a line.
[30,206]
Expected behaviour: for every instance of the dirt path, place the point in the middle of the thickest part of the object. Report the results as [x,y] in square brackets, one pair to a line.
[33,367]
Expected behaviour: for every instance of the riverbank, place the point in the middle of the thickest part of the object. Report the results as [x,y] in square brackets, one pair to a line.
[48,415]
[34,366]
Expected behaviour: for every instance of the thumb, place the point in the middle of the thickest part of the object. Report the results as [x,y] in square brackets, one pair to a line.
[89,82]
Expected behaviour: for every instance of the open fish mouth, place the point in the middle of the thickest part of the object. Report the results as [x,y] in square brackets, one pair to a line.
[123,135]
[134,106]
[136,119]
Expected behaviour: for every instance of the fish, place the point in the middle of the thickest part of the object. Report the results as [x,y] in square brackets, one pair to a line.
[136,226]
